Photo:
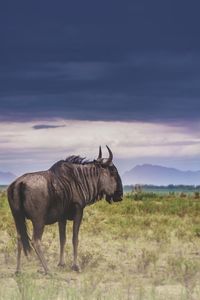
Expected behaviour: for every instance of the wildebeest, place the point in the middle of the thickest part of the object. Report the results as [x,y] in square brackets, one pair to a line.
[60,194]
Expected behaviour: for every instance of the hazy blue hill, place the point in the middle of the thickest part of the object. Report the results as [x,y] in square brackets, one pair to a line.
[6,178]
[159,175]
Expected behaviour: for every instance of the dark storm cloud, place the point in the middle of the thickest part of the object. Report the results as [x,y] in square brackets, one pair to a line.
[45,126]
[131,61]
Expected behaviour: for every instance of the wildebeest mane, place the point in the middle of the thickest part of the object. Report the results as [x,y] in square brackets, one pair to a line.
[76,159]
[75,174]
[73,159]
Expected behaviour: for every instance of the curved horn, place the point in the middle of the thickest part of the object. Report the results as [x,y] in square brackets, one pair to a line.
[110,156]
[100,154]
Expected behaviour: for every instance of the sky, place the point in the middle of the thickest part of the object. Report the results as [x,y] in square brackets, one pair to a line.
[76,75]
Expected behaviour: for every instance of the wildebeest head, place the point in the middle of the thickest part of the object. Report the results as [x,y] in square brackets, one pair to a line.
[109,181]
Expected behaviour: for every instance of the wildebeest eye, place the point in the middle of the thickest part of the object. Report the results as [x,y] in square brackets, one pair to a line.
[113,170]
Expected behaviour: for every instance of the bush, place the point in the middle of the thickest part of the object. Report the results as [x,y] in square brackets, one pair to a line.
[196,195]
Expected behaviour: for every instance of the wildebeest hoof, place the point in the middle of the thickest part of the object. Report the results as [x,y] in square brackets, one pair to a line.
[17,272]
[75,268]
[61,265]
[47,272]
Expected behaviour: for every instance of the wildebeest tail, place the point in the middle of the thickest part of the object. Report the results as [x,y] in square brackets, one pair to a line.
[15,199]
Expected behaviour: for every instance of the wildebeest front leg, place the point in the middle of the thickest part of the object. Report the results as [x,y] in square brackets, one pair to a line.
[76,225]
[62,234]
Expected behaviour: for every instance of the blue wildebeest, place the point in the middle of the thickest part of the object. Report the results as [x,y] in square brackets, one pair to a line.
[60,194]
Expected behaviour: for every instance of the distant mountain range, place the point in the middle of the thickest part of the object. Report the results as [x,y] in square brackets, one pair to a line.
[159,175]
[6,178]
[142,174]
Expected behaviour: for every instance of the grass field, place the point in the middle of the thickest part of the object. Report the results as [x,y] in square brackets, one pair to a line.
[146,247]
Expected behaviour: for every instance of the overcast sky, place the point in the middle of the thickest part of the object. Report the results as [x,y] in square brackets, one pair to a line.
[74,75]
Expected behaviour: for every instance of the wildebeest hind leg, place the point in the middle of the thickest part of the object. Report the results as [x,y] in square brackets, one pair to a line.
[62,234]
[19,251]
[36,243]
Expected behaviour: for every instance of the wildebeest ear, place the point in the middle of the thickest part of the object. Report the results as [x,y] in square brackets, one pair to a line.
[97,162]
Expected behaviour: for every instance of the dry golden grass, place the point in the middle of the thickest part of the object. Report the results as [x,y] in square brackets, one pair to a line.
[147,248]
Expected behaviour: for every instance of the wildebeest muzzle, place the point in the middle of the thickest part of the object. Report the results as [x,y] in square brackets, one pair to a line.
[114,198]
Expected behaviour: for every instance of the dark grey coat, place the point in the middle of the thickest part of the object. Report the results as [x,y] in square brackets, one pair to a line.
[57,194]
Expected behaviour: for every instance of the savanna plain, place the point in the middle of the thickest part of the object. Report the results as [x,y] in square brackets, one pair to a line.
[145,247]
